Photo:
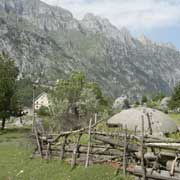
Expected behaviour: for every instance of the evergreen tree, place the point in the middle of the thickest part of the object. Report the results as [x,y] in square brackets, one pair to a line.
[8,99]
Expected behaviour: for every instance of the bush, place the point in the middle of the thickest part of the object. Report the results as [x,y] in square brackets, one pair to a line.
[151,104]
[174,103]
[158,97]
[144,100]
[43,111]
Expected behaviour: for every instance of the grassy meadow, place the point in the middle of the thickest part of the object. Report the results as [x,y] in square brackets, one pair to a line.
[16,163]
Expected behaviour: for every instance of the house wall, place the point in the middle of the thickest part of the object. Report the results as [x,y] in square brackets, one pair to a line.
[41,101]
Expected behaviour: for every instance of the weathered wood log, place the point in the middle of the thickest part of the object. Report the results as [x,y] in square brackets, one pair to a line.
[154,175]
[99,153]
[96,150]
[112,142]
[81,157]
[150,156]
[120,135]
[167,146]
[76,131]
[149,140]
[176,145]
[154,138]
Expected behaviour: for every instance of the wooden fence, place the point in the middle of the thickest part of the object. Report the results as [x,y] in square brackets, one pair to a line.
[142,155]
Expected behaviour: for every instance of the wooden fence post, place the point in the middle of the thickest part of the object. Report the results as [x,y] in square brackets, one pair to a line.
[74,155]
[89,144]
[149,123]
[63,147]
[95,118]
[142,151]
[48,151]
[38,142]
[125,150]
[135,130]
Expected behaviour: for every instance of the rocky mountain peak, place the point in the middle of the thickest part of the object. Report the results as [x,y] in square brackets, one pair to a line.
[168,45]
[97,24]
[46,17]
[40,36]
[144,40]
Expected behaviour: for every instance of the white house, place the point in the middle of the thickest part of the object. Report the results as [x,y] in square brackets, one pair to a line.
[41,100]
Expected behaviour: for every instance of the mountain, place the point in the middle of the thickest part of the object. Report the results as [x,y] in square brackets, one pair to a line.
[47,42]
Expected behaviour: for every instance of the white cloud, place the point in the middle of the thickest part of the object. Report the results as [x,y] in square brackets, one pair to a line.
[134,14]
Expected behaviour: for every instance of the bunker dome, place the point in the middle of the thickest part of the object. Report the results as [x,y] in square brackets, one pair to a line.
[159,122]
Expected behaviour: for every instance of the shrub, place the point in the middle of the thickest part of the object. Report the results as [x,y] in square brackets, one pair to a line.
[43,111]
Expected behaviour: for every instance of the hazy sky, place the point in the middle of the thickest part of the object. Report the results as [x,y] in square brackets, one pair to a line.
[157,19]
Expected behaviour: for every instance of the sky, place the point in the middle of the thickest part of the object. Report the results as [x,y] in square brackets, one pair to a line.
[159,20]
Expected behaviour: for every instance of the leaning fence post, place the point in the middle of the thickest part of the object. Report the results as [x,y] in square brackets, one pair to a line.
[142,151]
[89,144]
[38,142]
[125,149]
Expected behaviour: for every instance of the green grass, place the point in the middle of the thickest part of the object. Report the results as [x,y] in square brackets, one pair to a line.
[175,117]
[16,164]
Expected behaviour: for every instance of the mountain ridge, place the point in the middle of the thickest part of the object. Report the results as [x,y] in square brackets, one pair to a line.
[40,36]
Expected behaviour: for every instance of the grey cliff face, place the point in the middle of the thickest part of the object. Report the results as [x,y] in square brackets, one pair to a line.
[48,42]
[39,14]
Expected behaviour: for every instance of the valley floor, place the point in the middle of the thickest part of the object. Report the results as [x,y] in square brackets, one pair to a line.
[16,164]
